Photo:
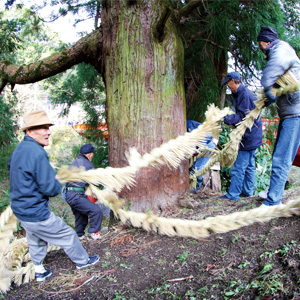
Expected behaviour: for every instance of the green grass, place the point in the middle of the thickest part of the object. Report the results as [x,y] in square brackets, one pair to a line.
[4,195]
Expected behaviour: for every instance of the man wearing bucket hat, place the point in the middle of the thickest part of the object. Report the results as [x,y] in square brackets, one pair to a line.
[84,208]
[281,57]
[32,182]
[243,170]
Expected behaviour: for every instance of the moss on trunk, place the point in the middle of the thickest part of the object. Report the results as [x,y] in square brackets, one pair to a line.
[145,96]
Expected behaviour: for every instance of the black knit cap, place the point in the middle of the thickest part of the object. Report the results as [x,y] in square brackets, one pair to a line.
[267,34]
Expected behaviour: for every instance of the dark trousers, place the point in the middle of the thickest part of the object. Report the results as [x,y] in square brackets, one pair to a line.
[84,211]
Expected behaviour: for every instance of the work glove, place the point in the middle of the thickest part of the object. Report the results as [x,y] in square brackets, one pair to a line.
[270,97]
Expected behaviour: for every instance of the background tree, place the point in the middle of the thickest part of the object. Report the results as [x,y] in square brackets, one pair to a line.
[139,52]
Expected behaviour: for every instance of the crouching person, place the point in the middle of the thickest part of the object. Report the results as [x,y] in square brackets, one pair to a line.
[32,182]
[83,209]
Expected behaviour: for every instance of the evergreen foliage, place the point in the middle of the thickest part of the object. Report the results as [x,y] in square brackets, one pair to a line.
[8,35]
[8,137]
[220,30]
[214,32]
[24,38]
[64,146]
[83,85]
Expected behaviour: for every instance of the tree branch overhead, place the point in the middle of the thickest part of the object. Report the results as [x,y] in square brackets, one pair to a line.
[84,50]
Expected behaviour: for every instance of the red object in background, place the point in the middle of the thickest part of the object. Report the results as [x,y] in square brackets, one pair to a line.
[268,123]
[296,161]
[92,199]
[81,129]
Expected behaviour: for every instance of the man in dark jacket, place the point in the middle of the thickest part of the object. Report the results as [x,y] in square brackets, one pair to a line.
[243,170]
[281,57]
[83,209]
[32,182]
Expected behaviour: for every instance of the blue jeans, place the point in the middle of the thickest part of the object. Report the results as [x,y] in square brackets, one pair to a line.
[242,175]
[200,163]
[285,149]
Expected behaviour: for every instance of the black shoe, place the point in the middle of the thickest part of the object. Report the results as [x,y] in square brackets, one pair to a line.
[92,260]
[39,277]
[244,195]
[225,198]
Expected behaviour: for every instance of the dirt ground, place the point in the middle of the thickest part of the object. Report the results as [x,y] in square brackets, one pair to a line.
[261,261]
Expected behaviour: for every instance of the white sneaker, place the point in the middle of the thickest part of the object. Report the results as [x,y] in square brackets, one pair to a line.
[264,206]
[93,259]
[39,277]
[83,237]
[96,235]
[263,194]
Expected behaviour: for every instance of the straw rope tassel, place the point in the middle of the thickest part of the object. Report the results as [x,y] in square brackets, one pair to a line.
[8,224]
[11,264]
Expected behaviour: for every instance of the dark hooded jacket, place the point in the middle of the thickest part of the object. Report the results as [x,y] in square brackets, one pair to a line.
[243,100]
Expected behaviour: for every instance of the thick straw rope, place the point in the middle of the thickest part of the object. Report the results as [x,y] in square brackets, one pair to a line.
[8,224]
[287,84]
[12,259]
[13,255]
[171,153]
[195,229]
[228,154]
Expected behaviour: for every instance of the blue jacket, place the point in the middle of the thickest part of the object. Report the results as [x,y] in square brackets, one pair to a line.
[282,57]
[32,181]
[81,162]
[243,100]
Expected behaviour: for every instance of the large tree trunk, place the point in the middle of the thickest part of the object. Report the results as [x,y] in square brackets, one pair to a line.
[145,96]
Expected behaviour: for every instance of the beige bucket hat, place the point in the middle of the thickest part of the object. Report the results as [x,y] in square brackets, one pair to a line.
[35,118]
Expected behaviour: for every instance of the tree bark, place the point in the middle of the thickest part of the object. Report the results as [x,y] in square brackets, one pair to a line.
[145,96]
